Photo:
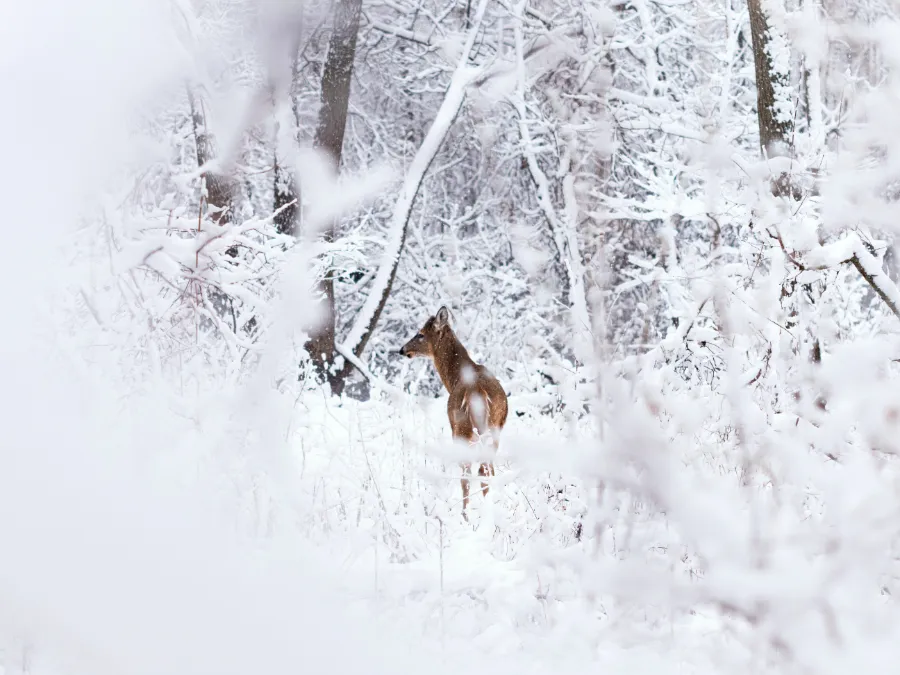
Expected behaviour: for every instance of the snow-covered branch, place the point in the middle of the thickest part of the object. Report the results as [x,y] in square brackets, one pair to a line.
[463,76]
[563,228]
[850,249]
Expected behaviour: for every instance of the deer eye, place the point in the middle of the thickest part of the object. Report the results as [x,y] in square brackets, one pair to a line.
[420,337]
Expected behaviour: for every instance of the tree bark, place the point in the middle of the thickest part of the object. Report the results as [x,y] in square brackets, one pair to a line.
[220,194]
[774,132]
[286,200]
[219,188]
[285,189]
[336,77]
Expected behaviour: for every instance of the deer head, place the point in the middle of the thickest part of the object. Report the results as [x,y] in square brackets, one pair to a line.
[423,342]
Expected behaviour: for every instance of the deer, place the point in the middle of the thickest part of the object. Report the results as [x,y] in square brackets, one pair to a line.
[477,406]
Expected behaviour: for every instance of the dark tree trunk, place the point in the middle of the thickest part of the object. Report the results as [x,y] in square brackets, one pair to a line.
[329,139]
[220,198]
[775,134]
[219,189]
[286,190]
[336,79]
[286,200]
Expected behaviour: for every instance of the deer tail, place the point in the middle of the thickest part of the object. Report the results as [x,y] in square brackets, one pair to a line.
[479,406]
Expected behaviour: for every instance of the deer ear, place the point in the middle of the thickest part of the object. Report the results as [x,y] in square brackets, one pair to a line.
[442,318]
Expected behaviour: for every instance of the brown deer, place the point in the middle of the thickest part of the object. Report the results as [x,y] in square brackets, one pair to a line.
[477,406]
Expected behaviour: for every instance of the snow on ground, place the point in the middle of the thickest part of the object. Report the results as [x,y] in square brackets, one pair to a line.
[385,504]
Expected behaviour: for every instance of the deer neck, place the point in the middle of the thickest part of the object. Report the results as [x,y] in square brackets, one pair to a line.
[450,357]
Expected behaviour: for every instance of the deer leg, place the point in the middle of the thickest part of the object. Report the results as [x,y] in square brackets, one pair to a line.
[496,444]
[467,470]
[483,472]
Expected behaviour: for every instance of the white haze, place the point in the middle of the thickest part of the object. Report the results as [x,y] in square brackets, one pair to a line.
[116,557]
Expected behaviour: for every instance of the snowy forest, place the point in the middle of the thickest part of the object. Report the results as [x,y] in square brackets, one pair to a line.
[664,226]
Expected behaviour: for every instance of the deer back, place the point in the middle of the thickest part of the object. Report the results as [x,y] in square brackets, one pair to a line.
[477,400]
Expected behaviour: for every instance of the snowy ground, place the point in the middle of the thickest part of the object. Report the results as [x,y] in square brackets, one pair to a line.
[163,529]
[167,527]
[385,507]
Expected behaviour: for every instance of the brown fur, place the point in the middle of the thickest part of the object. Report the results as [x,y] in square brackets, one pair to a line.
[477,403]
